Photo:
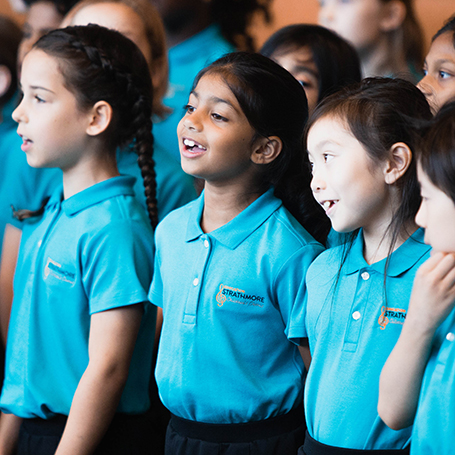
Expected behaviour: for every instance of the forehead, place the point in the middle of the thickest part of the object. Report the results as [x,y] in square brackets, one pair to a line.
[443,47]
[44,16]
[42,70]
[116,16]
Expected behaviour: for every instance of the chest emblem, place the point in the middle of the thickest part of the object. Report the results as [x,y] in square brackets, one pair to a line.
[391,316]
[239,296]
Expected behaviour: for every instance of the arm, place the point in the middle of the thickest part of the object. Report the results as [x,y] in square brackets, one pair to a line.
[9,433]
[432,299]
[304,349]
[113,336]
[10,249]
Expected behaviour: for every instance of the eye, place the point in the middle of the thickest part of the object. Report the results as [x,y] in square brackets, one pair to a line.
[189,109]
[425,71]
[39,99]
[327,157]
[444,74]
[219,117]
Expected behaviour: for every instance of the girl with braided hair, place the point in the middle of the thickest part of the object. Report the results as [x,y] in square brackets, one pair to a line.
[81,337]
[198,32]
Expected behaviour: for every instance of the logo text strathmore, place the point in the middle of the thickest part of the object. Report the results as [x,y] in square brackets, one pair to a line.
[392,316]
[235,295]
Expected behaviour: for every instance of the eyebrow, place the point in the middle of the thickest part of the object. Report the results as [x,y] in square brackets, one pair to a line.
[303,68]
[38,87]
[215,99]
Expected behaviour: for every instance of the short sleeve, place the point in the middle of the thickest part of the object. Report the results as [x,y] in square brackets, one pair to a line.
[155,294]
[118,265]
[291,290]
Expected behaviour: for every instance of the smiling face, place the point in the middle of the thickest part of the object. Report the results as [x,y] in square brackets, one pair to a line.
[215,137]
[438,84]
[357,21]
[436,215]
[52,126]
[299,62]
[346,181]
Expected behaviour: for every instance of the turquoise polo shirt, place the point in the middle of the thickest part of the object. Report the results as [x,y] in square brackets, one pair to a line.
[89,253]
[352,326]
[434,425]
[174,187]
[227,296]
[186,59]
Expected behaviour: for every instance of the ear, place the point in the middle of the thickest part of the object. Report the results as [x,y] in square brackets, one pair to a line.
[398,164]
[5,79]
[266,149]
[100,117]
[393,16]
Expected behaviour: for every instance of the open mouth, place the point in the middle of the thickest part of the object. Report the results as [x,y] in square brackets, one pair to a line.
[329,204]
[26,142]
[193,146]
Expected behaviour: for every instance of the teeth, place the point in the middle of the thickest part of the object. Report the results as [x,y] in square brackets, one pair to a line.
[189,143]
[327,204]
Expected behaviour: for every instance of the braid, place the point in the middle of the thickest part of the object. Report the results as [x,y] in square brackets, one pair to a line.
[101,64]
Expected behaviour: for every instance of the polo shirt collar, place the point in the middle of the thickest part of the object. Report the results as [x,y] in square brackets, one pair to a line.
[238,229]
[115,186]
[401,260]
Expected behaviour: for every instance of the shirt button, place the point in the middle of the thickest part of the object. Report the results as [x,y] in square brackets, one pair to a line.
[365,275]
[195,281]
[206,243]
[356,315]
[450,336]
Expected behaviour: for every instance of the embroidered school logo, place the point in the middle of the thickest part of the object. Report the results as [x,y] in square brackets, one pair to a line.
[235,295]
[55,269]
[391,316]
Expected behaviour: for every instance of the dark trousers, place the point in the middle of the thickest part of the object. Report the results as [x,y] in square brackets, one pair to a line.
[280,435]
[127,435]
[313,447]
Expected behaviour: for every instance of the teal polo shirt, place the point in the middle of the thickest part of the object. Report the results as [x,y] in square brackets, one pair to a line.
[90,253]
[186,59]
[352,326]
[227,296]
[434,424]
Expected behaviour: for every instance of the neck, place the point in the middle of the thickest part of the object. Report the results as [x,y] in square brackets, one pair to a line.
[383,60]
[377,244]
[222,204]
[93,170]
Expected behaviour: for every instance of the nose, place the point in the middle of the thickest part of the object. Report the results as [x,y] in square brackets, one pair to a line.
[192,121]
[425,85]
[326,13]
[18,114]
[420,216]
[317,182]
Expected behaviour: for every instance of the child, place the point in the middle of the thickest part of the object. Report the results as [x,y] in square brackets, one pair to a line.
[42,16]
[360,143]
[228,265]
[198,32]
[417,381]
[85,263]
[385,34]
[319,59]
[438,83]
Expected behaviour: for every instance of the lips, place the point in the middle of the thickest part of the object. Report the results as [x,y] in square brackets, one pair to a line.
[26,143]
[193,147]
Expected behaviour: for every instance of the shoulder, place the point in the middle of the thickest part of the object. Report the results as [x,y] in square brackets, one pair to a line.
[327,264]
[177,219]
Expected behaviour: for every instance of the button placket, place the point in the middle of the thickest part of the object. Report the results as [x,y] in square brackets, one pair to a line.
[189,316]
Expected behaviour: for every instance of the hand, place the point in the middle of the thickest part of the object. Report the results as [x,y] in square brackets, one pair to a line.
[433,293]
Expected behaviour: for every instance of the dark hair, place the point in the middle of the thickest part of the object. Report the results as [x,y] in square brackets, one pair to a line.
[437,151]
[10,38]
[380,112]
[409,36]
[102,64]
[449,26]
[336,60]
[275,105]
[62,6]
[234,18]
